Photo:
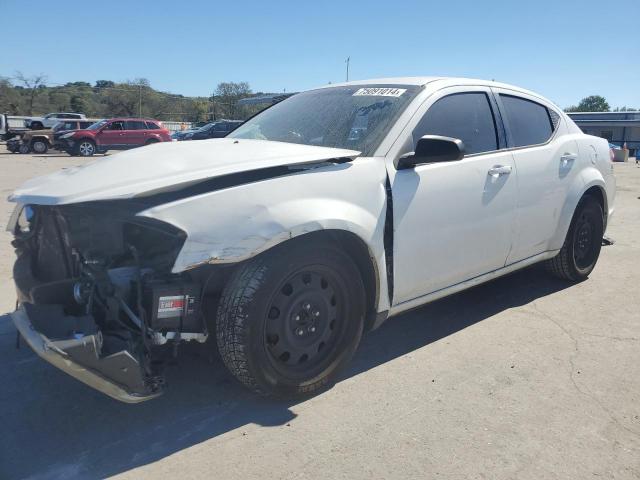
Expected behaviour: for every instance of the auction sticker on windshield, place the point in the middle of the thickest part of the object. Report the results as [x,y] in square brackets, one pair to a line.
[380,92]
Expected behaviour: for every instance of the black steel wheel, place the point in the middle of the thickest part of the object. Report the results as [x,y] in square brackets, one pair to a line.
[290,319]
[581,249]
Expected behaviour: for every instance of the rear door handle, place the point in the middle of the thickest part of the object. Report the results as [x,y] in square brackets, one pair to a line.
[499,170]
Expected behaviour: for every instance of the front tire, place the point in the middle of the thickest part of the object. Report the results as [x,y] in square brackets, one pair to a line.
[581,249]
[24,148]
[289,319]
[85,148]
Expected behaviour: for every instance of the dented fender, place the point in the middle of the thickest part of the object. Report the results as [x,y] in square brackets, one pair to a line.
[233,224]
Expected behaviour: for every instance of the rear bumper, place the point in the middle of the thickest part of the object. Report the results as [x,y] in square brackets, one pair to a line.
[118,375]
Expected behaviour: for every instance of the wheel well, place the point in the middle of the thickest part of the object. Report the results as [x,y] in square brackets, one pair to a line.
[42,139]
[597,193]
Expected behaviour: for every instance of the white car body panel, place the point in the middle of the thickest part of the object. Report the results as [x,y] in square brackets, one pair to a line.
[453,228]
[163,165]
[251,218]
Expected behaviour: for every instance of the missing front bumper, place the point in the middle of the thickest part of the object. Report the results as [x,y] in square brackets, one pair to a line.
[74,345]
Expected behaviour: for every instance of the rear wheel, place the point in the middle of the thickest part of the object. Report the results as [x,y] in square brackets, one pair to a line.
[581,249]
[39,146]
[85,148]
[290,319]
[24,148]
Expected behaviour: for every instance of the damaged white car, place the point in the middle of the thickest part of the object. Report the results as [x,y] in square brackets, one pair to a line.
[308,225]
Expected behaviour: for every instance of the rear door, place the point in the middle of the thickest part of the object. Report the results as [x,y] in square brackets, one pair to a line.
[545,157]
[135,133]
[453,220]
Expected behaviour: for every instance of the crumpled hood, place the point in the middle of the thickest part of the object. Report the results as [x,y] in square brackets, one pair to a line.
[162,165]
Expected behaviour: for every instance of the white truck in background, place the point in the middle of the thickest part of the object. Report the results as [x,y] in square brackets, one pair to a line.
[50,119]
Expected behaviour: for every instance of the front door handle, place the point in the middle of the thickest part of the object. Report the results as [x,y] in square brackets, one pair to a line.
[499,170]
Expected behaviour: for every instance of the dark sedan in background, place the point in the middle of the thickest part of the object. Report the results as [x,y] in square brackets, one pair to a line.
[217,129]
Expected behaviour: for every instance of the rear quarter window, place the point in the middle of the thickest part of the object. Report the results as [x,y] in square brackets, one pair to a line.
[529,123]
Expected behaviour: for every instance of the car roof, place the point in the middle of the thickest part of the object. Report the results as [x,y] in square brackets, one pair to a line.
[120,119]
[423,81]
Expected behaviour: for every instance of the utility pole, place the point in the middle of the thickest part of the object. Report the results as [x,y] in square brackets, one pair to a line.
[140,100]
[347,61]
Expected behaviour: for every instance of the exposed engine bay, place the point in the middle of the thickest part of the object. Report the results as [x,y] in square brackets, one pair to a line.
[95,286]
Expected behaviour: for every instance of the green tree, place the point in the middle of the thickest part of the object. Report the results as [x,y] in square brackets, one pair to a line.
[227,95]
[593,103]
[10,98]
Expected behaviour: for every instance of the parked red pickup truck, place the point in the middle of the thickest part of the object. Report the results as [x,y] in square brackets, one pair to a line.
[115,134]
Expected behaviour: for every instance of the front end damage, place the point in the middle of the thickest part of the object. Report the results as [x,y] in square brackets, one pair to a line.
[96,295]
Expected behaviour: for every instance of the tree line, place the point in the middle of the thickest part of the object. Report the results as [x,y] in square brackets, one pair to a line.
[22,95]
[596,103]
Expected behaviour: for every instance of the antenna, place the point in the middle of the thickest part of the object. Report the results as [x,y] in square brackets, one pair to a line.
[347,62]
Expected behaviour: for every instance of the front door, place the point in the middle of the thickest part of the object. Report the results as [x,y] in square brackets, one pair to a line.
[111,136]
[453,220]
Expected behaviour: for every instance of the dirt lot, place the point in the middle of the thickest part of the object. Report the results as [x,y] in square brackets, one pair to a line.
[525,377]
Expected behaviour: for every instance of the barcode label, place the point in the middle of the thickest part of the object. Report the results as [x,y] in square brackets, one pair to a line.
[379,92]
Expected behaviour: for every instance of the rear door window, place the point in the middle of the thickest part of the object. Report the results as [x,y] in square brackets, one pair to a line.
[529,123]
[134,125]
[466,116]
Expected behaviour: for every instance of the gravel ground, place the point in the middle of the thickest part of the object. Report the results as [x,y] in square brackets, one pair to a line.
[525,377]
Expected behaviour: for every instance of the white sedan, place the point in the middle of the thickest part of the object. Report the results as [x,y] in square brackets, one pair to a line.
[313,222]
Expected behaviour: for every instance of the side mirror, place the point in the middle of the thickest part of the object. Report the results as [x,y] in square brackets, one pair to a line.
[431,149]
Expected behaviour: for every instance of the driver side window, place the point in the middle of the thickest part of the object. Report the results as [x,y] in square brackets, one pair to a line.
[466,116]
[115,126]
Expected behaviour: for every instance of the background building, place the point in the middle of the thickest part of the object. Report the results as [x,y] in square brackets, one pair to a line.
[617,127]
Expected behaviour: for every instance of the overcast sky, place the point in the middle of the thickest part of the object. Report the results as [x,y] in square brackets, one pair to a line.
[562,49]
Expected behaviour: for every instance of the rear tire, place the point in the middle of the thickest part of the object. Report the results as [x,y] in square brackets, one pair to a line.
[581,249]
[39,146]
[289,319]
[24,148]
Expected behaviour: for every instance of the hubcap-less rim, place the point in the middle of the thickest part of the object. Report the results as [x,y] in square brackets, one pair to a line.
[304,323]
[86,148]
[583,241]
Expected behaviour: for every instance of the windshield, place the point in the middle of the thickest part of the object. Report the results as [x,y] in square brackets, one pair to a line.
[355,117]
[97,125]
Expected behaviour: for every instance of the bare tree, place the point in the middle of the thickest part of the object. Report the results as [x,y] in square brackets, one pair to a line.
[32,84]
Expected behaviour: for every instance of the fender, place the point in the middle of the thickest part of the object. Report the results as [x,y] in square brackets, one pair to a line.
[588,177]
[234,224]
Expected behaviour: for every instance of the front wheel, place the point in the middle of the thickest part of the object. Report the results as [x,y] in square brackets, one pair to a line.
[85,148]
[291,318]
[581,249]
